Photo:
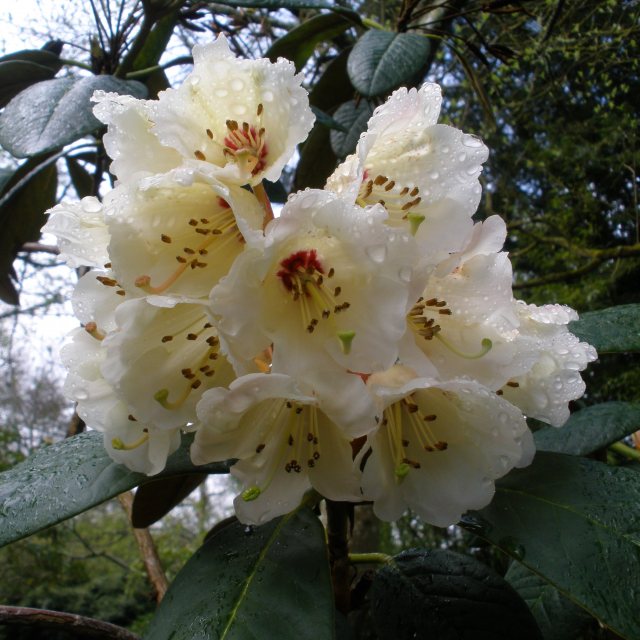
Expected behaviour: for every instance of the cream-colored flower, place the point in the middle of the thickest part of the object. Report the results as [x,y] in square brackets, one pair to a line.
[241,119]
[439,446]
[286,440]
[424,173]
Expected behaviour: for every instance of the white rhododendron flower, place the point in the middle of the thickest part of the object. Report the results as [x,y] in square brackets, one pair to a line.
[467,323]
[425,174]
[365,344]
[178,234]
[332,279]
[286,440]
[81,232]
[240,118]
[161,360]
[439,446]
[141,446]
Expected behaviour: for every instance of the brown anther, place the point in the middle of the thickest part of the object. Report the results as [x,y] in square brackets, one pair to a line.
[204,221]
[314,321]
[499,392]
[167,338]
[130,417]
[232,125]
[210,373]
[90,327]
[513,384]
[215,232]
[204,232]
[210,134]
[213,356]
[309,437]
[337,291]
[260,448]
[404,191]
[185,372]
[430,418]
[193,222]
[326,313]
[445,312]
[189,251]
[298,410]
[316,455]
[311,462]
[414,192]
[441,303]
[431,301]
[107,265]
[405,443]
[196,383]
[204,369]
[121,292]
[181,259]
[289,405]
[212,341]
[441,446]
[193,264]
[192,336]
[259,109]
[199,155]
[107,282]
[428,448]
[319,280]
[207,325]
[412,408]
[407,206]
[203,252]
[382,202]
[331,273]
[380,180]
[389,185]
[290,441]
[165,238]
[310,328]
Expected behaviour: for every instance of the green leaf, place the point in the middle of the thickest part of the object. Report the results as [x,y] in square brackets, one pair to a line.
[23,214]
[317,160]
[21,69]
[333,87]
[353,117]
[612,330]
[381,61]
[326,120]
[81,179]
[245,583]
[591,429]
[557,617]
[53,113]
[156,498]
[275,5]
[445,595]
[67,478]
[575,523]
[299,43]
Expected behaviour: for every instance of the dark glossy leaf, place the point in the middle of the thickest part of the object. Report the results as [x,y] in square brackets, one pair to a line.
[333,87]
[53,113]
[591,429]
[275,191]
[156,498]
[445,595]
[381,61]
[267,582]
[317,160]
[21,69]
[299,43]
[326,120]
[275,5]
[612,330]
[576,523]
[69,477]
[23,214]
[557,617]
[81,179]
[353,118]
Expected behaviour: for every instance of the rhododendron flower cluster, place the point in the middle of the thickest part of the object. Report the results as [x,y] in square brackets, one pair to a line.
[365,343]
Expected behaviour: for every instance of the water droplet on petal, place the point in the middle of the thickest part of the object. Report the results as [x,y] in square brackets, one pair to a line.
[377,253]
[471,141]
[237,84]
[405,274]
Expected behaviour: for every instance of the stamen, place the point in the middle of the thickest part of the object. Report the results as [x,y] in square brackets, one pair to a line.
[119,445]
[486,347]
[92,329]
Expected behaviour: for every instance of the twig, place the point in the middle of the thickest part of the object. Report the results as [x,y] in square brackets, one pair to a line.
[71,622]
[38,247]
[147,550]
[337,535]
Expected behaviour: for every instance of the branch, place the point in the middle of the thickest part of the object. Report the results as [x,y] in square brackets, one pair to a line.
[37,247]
[71,622]
[147,550]
[599,256]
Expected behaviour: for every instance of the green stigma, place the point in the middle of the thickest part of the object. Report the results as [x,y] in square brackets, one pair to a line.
[251,493]
[346,338]
[415,220]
